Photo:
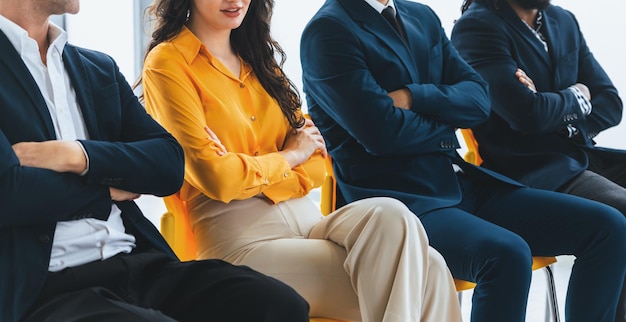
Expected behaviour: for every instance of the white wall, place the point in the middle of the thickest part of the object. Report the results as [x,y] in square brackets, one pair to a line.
[106,26]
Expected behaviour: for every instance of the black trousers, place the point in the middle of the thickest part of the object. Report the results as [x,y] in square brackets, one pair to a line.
[150,286]
[604,181]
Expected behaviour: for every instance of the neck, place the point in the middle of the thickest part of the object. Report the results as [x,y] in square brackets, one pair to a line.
[216,41]
[36,25]
[528,15]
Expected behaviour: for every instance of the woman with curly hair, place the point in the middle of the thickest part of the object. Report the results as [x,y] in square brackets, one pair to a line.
[211,77]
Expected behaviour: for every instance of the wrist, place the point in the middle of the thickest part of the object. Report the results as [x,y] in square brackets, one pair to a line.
[79,161]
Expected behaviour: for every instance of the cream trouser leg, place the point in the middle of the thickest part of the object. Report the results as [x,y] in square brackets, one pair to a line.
[368,261]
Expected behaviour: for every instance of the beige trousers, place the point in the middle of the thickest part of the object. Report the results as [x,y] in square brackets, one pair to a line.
[368,261]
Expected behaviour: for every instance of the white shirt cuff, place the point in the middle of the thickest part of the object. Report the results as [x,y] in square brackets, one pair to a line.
[583,102]
[86,158]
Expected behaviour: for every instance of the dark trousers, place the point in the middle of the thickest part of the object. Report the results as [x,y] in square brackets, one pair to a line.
[150,286]
[490,237]
[603,182]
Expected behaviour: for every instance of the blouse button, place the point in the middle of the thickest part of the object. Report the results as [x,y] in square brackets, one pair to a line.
[242,85]
[252,118]
[256,153]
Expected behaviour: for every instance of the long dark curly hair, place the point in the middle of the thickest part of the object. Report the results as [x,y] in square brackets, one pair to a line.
[252,41]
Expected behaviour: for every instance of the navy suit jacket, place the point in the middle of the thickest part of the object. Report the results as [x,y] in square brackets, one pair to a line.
[127,149]
[524,136]
[351,57]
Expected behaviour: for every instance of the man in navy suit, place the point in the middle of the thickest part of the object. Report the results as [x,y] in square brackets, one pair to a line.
[388,103]
[76,147]
[549,96]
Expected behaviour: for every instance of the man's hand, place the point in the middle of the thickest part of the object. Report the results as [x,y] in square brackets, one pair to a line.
[401,98]
[59,156]
[122,195]
[524,79]
[584,89]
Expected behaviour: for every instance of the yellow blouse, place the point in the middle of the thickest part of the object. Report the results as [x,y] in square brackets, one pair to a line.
[186,89]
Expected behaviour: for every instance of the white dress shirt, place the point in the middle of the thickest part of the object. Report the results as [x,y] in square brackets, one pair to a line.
[379,6]
[82,241]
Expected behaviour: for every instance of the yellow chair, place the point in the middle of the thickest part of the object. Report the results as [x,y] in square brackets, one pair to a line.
[552,307]
[176,230]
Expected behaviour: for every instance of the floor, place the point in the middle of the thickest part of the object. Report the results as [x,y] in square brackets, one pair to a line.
[153,208]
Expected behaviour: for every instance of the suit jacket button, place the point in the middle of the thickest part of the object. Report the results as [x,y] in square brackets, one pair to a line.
[44,238]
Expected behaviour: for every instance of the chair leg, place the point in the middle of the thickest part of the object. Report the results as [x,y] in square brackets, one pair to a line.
[552,306]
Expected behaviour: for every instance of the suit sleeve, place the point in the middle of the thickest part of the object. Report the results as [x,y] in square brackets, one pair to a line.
[39,196]
[488,48]
[139,156]
[143,158]
[173,100]
[605,101]
[336,76]
[459,96]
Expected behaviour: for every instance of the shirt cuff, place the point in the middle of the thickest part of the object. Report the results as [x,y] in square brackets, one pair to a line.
[571,131]
[583,102]
[86,158]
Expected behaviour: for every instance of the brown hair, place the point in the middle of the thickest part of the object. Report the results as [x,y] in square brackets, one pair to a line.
[252,41]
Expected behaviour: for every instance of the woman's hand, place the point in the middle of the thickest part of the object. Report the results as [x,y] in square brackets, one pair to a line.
[302,143]
[221,148]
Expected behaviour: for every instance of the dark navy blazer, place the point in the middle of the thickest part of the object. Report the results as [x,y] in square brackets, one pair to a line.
[524,137]
[351,57]
[127,149]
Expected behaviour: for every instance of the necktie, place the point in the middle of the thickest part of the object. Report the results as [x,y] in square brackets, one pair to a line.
[390,14]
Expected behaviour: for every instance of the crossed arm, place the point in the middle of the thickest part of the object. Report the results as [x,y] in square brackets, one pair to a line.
[61,156]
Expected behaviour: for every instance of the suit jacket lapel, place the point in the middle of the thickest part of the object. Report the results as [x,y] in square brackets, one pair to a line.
[520,27]
[74,65]
[374,23]
[13,62]
[550,28]
[415,36]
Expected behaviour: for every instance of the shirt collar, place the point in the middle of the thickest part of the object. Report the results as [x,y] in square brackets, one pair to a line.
[19,37]
[379,6]
[190,47]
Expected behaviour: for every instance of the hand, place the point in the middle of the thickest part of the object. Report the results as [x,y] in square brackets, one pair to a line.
[55,155]
[212,136]
[302,143]
[584,89]
[401,98]
[122,195]
[524,79]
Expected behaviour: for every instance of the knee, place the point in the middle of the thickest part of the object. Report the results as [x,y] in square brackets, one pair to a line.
[612,227]
[506,257]
[389,209]
[391,216]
